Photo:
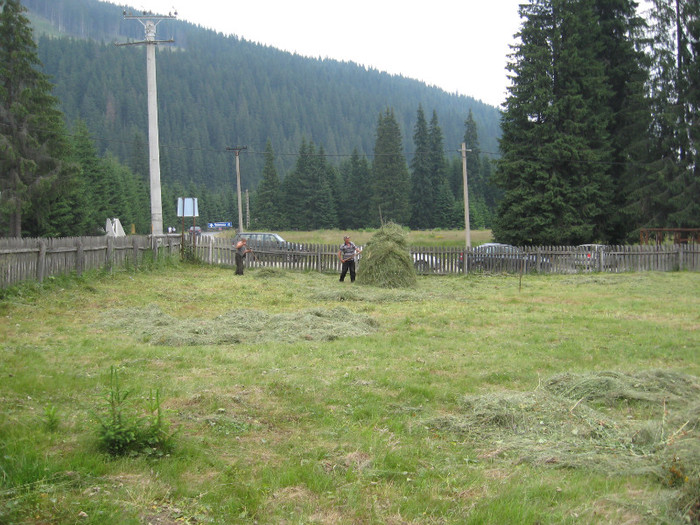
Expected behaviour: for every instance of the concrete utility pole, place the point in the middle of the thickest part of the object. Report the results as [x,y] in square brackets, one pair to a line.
[247,209]
[466,196]
[237,151]
[149,22]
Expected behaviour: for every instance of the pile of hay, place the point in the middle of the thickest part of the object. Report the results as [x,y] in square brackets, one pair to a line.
[386,261]
[608,422]
[152,325]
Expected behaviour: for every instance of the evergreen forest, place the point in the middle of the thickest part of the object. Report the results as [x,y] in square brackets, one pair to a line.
[597,138]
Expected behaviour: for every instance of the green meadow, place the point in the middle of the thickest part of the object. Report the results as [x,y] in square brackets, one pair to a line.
[292,398]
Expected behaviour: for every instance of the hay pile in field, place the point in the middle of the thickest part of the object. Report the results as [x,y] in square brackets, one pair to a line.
[386,261]
[367,295]
[609,422]
[267,273]
[605,420]
[153,326]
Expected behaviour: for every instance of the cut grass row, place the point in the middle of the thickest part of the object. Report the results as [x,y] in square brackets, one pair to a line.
[306,424]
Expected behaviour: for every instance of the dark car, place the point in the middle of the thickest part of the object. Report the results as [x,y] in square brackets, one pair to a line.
[195,230]
[498,257]
[267,243]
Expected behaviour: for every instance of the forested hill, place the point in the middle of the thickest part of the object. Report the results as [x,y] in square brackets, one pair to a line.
[217,91]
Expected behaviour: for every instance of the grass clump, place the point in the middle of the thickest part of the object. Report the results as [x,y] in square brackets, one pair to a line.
[386,261]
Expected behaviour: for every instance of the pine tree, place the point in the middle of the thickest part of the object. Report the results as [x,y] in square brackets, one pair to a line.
[471,140]
[267,202]
[391,183]
[626,67]
[354,204]
[322,202]
[298,190]
[438,174]
[422,185]
[555,144]
[32,137]
[669,196]
[483,195]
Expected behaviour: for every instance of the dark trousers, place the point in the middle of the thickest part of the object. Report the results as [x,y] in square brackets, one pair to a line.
[348,265]
[239,264]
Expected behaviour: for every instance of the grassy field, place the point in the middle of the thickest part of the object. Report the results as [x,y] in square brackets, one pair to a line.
[298,399]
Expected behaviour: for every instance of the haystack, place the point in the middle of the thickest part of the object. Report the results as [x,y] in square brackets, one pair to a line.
[386,261]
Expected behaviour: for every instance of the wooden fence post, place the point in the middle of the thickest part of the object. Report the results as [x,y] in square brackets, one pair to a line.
[41,261]
[79,257]
[136,252]
[109,260]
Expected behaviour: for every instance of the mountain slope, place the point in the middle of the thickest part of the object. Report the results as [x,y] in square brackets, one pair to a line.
[216,91]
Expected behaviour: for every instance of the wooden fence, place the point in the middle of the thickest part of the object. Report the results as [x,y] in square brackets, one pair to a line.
[36,259]
[441,260]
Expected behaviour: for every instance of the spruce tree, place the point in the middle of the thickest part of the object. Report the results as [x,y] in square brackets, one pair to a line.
[483,195]
[267,202]
[422,185]
[555,144]
[669,196]
[391,183]
[322,202]
[626,66]
[471,141]
[438,174]
[354,204]
[32,137]
[298,190]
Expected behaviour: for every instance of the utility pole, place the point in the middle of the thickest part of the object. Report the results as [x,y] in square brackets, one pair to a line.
[149,22]
[466,196]
[247,209]
[237,151]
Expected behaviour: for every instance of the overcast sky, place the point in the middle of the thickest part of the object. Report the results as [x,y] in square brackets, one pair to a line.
[460,46]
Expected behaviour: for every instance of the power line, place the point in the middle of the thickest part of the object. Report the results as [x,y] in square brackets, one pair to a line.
[349,155]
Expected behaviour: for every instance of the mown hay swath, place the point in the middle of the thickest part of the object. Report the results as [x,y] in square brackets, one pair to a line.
[613,423]
[154,326]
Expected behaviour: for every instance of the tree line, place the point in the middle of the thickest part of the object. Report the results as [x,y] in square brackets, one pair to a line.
[55,182]
[364,193]
[600,128]
[217,91]
[600,138]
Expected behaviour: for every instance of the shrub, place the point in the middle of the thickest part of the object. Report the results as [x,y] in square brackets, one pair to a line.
[123,433]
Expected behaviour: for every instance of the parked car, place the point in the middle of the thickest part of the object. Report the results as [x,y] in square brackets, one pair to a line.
[267,242]
[498,257]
